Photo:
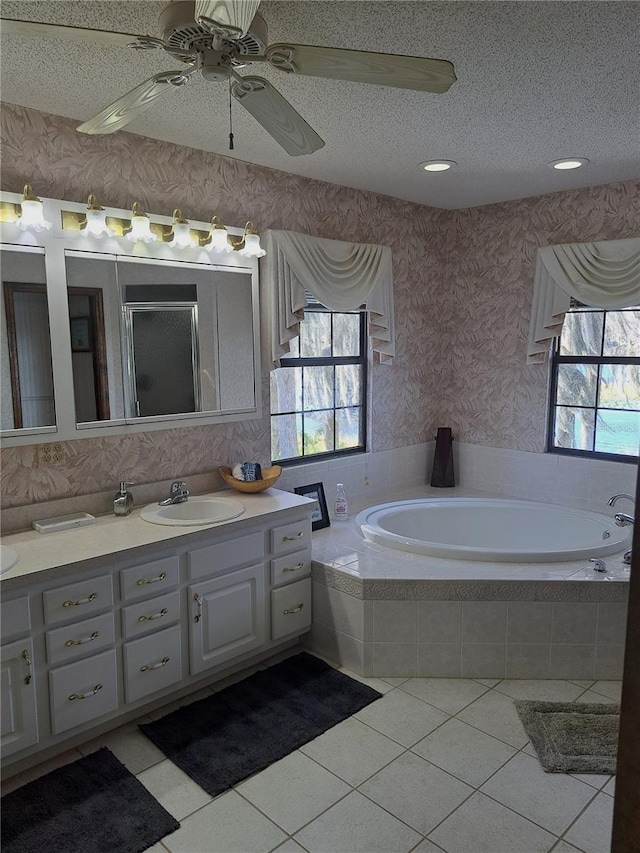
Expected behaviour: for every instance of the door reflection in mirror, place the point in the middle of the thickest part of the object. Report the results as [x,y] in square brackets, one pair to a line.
[25,363]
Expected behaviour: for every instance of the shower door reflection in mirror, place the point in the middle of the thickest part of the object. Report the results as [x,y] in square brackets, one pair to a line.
[162,384]
[27,399]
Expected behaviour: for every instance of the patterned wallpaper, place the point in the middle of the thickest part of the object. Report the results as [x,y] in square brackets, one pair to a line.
[61,163]
[491,396]
[462,290]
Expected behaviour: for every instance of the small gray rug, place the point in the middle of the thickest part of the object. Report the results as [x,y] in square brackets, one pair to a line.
[93,805]
[570,737]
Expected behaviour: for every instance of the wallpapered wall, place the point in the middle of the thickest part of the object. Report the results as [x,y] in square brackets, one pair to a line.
[60,163]
[462,291]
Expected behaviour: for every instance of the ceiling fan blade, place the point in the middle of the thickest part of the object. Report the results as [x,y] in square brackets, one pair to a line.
[35,29]
[360,66]
[234,15]
[129,106]
[276,115]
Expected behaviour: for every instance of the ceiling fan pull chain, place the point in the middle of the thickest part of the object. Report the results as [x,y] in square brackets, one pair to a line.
[230,118]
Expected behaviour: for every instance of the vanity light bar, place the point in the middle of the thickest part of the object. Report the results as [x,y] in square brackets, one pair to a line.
[217,239]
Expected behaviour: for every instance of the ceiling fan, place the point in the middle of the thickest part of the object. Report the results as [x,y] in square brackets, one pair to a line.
[216,38]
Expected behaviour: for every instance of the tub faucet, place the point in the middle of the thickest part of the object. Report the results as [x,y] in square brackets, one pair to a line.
[623,519]
[612,501]
[177,494]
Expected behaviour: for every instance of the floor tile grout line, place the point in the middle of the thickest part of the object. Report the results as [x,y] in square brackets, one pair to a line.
[559,836]
[577,818]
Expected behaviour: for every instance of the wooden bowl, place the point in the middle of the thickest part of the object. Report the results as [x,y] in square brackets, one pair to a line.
[269,478]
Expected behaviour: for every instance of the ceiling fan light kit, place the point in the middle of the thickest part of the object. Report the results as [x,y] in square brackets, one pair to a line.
[216,39]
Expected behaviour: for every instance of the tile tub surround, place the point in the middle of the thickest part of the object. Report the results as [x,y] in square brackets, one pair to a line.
[389,613]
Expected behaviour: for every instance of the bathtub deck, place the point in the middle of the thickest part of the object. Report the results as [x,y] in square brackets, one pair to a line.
[389,613]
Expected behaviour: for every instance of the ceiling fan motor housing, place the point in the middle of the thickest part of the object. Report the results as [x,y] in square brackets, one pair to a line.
[180,31]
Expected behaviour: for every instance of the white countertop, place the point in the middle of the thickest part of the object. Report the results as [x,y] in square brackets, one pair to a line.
[112,534]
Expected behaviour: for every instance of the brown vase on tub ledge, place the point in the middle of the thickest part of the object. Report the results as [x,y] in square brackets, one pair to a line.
[442,473]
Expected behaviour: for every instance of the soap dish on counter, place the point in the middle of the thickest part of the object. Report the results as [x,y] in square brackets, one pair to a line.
[63,522]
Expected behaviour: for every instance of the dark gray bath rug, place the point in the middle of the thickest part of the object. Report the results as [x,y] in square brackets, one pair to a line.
[570,737]
[230,735]
[93,805]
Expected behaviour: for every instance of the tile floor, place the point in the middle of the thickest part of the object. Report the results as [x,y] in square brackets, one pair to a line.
[434,765]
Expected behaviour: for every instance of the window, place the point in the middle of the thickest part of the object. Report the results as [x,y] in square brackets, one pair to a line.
[595,384]
[318,395]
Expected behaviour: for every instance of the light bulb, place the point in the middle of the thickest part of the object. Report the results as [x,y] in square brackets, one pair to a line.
[96,224]
[32,212]
[182,238]
[252,247]
[140,226]
[219,243]
[180,230]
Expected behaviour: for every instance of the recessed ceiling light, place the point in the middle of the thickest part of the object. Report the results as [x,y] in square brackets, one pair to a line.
[437,165]
[568,163]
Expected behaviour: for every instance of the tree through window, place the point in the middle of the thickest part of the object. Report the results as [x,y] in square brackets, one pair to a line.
[318,395]
[595,384]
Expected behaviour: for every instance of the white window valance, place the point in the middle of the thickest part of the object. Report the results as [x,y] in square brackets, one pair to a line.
[603,275]
[342,276]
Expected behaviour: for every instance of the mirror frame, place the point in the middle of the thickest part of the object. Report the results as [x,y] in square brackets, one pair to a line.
[55,244]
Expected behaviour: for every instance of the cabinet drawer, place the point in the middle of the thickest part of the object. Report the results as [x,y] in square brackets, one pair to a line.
[16,617]
[149,578]
[83,691]
[149,615]
[291,537]
[80,638]
[291,609]
[77,600]
[290,568]
[226,555]
[152,663]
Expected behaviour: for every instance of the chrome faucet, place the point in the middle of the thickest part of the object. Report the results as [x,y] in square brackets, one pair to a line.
[177,494]
[623,519]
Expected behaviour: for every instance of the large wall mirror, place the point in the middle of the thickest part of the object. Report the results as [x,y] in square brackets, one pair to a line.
[26,372]
[115,337]
[155,338]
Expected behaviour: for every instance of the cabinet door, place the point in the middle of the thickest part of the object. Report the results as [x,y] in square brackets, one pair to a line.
[227,617]
[18,693]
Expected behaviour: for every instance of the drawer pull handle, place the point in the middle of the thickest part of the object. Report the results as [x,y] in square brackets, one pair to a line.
[90,639]
[85,695]
[198,601]
[293,568]
[144,618]
[147,667]
[293,538]
[292,610]
[143,581]
[87,600]
[27,660]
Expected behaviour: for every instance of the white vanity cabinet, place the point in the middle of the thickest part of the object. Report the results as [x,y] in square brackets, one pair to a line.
[18,697]
[18,707]
[87,645]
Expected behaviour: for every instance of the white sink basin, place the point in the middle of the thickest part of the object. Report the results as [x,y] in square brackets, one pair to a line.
[8,558]
[194,511]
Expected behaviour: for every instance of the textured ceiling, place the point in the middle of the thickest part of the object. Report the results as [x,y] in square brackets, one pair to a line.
[536,81]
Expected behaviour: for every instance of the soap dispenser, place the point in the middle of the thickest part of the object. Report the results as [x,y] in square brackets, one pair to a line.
[123,500]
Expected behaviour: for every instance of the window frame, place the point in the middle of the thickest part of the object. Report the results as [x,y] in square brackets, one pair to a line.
[600,360]
[329,361]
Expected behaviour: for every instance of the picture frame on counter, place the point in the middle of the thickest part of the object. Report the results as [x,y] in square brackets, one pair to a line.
[320,515]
